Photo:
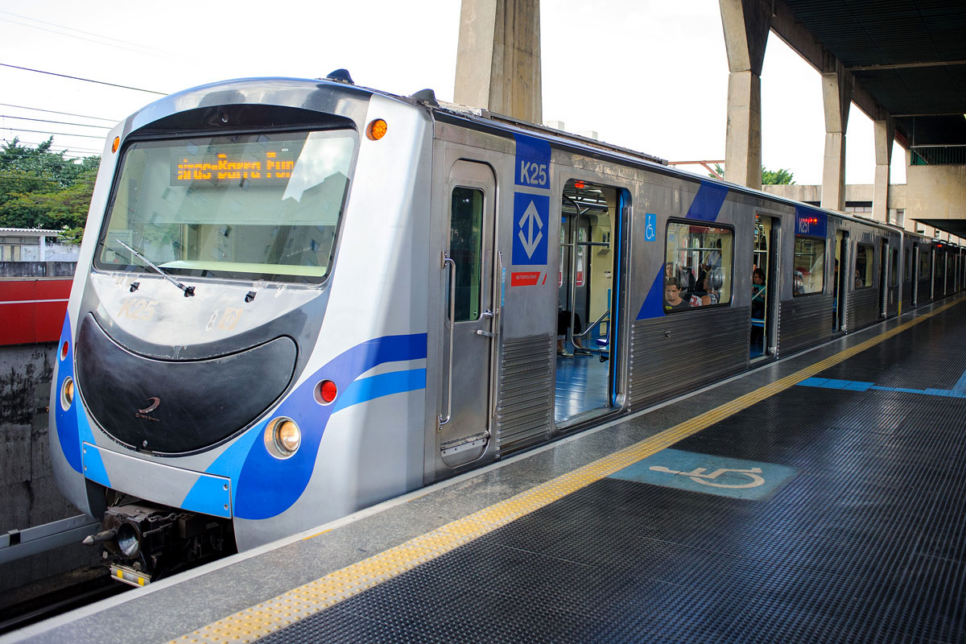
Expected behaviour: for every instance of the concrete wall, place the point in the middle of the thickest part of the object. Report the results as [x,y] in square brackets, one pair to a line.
[936,191]
[28,495]
[37,269]
[858,192]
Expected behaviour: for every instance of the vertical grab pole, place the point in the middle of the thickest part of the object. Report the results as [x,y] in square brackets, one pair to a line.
[574,240]
[444,260]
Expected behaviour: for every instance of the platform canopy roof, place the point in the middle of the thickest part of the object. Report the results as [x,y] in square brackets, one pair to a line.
[907,56]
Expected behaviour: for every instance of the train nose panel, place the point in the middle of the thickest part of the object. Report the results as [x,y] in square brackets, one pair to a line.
[171,406]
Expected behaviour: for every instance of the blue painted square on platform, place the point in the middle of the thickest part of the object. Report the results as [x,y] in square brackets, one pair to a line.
[709,474]
[531,228]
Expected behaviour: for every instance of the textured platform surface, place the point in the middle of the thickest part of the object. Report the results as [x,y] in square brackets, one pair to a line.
[866,544]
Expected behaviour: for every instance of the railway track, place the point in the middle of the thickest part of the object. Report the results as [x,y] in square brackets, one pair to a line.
[51,597]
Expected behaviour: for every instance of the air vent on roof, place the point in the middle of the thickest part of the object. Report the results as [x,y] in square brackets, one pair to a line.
[341,75]
[426,96]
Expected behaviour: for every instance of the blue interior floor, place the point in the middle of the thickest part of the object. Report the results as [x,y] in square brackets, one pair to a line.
[581,385]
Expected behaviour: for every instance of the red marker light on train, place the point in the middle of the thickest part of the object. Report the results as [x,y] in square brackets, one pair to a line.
[63,350]
[327,391]
[580,185]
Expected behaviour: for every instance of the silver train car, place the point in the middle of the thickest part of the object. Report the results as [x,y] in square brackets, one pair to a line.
[298,298]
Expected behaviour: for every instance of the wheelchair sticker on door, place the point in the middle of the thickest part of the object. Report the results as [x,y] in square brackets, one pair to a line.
[650,227]
[708,474]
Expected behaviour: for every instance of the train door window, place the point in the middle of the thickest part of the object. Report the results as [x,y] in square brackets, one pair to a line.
[837,278]
[698,269]
[894,267]
[587,287]
[466,250]
[864,264]
[809,265]
[761,269]
[923,264]
[884,282]
[906,265]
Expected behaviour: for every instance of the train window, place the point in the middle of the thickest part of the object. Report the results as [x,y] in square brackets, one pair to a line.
[466,249]
[245,206]
[906,266]
[699,266]
[809,276]
[864,262]
[923,263]
[894,271]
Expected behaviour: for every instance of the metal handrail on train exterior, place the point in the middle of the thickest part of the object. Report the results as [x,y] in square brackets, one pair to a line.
[446,259]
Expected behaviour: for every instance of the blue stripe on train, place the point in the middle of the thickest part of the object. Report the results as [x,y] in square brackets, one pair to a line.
[265,486]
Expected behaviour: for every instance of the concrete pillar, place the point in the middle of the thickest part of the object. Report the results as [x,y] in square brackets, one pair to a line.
[837,96]
[885,132]
[498,59]
[746,24]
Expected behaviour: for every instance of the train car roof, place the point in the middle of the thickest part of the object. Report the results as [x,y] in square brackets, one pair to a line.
[482,119]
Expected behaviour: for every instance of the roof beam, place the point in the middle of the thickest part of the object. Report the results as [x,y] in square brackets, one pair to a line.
[877,68]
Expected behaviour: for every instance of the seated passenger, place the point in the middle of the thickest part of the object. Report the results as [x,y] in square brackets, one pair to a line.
[563,323]
[672,296]
[705,292]
[798,286]
[858,279]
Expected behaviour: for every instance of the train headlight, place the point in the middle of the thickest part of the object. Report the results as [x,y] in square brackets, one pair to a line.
[128,540]
[67,393]
[283,437]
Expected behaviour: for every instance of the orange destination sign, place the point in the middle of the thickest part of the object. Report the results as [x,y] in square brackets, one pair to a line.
[272,168]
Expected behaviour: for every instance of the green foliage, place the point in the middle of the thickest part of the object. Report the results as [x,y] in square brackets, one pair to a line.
[768,177]
[780,177]
[43,189]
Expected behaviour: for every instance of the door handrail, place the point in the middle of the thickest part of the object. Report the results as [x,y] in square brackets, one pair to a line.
[444,260]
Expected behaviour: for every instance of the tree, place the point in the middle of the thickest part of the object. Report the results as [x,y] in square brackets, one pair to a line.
[768,177]
[40,188]
[780,177]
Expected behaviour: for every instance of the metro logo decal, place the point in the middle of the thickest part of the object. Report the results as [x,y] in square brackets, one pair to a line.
[529,241]
[530,218]
[524,279]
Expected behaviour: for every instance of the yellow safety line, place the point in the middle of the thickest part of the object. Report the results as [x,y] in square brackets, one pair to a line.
[286,609]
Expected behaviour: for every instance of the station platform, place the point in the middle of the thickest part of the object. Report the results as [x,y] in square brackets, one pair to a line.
[821,498]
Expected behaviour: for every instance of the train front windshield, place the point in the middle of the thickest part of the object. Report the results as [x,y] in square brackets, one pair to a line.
[251,206]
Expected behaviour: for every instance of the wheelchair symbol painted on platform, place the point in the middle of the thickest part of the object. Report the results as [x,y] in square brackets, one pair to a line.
[698,476]
[709,474]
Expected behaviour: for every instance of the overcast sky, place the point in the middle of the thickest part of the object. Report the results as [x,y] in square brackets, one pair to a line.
[650,75]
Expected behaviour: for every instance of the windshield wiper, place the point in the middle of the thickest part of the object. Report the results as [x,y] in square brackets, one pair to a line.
[188,290]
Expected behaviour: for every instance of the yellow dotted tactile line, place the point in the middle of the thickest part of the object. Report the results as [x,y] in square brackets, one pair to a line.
[286,609]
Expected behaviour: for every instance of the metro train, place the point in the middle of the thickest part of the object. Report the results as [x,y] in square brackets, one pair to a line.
[297,298]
